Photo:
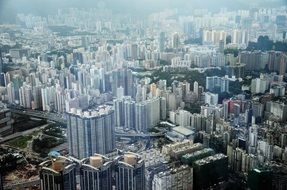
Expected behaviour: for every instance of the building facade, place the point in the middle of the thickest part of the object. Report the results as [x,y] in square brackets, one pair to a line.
[58,174]
[130,172]
[91,131]
[96,173]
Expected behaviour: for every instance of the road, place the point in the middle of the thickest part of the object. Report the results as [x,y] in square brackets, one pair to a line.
[58,118]
[23,184]
[139,135]
[23,133]
[60,147]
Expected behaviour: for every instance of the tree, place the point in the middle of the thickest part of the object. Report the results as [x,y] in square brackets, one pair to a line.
[233,51]
[163,62]
[228,39]
[265,44]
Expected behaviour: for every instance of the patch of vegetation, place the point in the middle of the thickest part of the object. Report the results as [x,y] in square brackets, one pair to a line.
[53,130]
[233,51]
[235,87]
[189,76]
[265,44]
[223,95]
[163,62]
[20,142]
[43,145]
[8,162]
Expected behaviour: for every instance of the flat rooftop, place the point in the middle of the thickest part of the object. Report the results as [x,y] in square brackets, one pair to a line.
[183,130]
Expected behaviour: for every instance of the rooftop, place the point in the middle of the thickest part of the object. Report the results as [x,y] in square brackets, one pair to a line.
[198,152]
[182,130]
[210,159]
[57,164]
[101,110]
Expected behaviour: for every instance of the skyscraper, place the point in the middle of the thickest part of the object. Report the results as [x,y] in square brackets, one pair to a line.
[221,46]
[211,99]
[17,82]
[129,113]
[175,41]
[1,63]
[25,94]
[120,92]
[91,131]
[216,167]
[277,62]
[217,84]
[11,92]
[96,173]
[119,112]
[253,138]
[122,78]
[162,41]
[130,172]
[195,88]
[163,108]
[58,174]
[174,178]
[139,116]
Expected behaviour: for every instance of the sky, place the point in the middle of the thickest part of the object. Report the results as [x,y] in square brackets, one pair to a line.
[9,8]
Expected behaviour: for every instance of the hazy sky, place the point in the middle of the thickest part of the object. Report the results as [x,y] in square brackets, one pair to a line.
[8,8]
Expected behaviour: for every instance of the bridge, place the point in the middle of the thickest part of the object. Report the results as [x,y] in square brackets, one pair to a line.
[149,135]
[58,118]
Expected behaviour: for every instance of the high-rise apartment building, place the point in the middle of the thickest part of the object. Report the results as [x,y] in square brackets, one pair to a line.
[58,174]
[130,172]
[96,173]
[277,61]
[91,131]
[211,98]
[125,171]
[196,88]
[122,78]
[174,178]
[1,62]
[216,167]
[213,36]
[162,41]
[139,116]
[175,40]
[217,84]
[256,60]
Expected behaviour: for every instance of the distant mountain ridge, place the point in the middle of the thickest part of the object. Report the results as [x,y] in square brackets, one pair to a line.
[10,8]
